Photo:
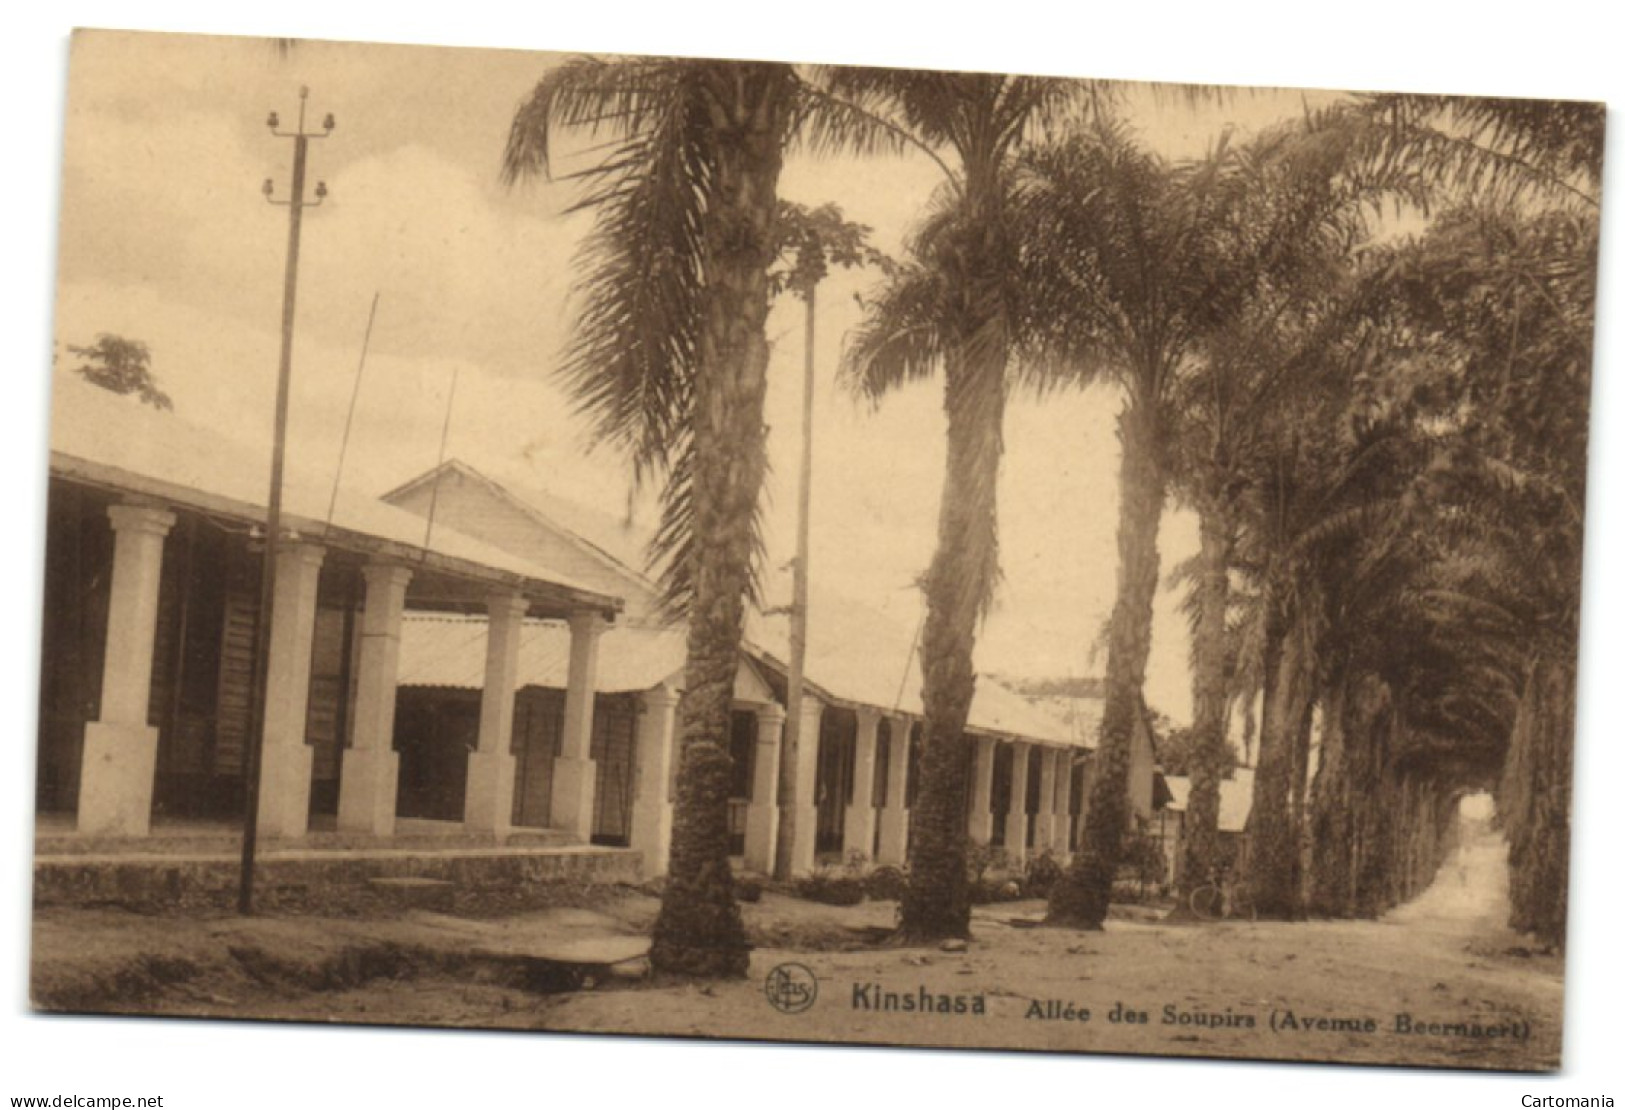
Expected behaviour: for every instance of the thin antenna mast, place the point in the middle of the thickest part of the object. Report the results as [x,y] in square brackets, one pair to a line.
[445,434]
[349,418]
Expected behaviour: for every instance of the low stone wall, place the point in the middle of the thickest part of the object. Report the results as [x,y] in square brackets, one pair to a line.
[312,879]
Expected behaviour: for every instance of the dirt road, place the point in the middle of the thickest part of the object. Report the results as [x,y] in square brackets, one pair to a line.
[1437,982]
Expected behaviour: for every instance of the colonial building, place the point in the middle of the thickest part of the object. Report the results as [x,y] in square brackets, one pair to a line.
[154,544]
[1235,807]
[855,782]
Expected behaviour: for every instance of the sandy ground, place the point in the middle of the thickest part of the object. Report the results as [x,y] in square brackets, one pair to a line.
[1338,991]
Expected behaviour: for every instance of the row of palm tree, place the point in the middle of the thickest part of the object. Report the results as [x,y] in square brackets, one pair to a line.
[1310,393]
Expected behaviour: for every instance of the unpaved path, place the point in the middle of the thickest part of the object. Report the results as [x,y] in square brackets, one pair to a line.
[1350,987]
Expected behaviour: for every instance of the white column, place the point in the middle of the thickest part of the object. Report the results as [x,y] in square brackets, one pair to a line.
[1063,805]
[803,801]
[1044,825]
[894,814]
[858,829]
[284,807]
[981,798]
[370,773]
[121,749]
[762,816]
[574,774]
[656,754]
[1015,821]
[488,794]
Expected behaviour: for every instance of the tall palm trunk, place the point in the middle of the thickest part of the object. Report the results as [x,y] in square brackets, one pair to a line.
[1272,868]
[1357,715]
[1083,895]
[1332,819]
[1300,793]
[936,902]
[1209,692]
[1533,800]
[699,931]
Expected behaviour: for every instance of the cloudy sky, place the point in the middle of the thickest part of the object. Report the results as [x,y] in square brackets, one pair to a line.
[165,237]
[1560,47]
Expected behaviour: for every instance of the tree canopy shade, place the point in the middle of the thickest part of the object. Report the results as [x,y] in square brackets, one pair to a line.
[1138,264]
[1310,394]
[1495,149]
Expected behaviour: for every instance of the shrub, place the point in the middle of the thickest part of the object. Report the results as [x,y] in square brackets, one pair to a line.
[831,887]
[1043,872]
[885,883]
[1127,892]
[978,858]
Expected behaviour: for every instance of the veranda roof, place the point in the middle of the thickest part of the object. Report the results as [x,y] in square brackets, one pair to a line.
[858,655]
[444,650]
[112,441]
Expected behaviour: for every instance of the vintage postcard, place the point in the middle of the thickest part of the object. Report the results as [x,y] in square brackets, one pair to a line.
[809,553]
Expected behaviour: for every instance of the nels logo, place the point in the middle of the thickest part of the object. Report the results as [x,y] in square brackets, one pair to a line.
[791,988]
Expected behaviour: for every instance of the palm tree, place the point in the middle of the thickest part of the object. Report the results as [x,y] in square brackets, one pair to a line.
[1142,264]
[669,361]
[1511,296]
[1418,537]
[958,305]
[1246,375]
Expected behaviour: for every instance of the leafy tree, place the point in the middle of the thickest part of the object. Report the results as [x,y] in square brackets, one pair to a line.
[123,366]
[1176,753]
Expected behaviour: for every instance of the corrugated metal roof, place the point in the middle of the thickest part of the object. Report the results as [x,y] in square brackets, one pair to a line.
[101,437]
[441,650]
[1235,798]
[858,654]
[855,653]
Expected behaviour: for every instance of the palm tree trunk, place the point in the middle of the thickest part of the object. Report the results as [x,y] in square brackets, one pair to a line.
[1083,895]
[1373,819]
[699,930]
[936,903]
[1300,793]
[1533,800]
[1272,865]
[1331,822]
[1209,690]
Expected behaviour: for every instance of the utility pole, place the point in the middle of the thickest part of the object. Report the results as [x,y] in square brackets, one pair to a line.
[815,240]
[273,514]
[795,688]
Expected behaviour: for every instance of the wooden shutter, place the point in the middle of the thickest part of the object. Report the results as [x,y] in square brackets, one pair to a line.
[236,684]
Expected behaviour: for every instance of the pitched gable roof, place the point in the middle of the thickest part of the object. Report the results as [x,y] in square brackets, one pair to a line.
[100,438]
[595,542]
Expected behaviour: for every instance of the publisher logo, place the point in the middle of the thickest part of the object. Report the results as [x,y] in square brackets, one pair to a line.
[791,988]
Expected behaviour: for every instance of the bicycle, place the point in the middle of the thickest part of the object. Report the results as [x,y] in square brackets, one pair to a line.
[1222,898]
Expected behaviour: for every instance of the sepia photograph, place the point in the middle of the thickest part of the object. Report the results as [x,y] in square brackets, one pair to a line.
[682,546]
